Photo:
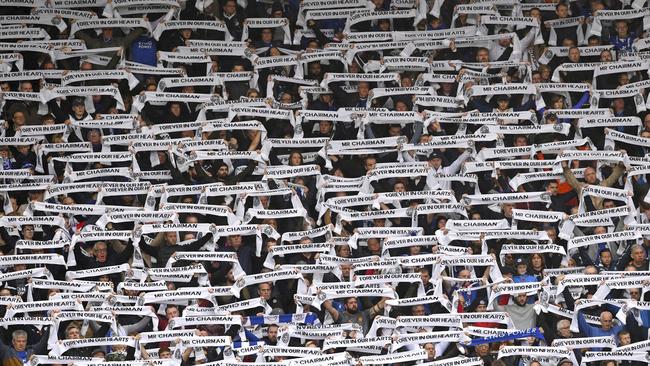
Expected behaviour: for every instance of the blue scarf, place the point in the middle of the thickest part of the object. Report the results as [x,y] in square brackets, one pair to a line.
[310,318]
[532,332]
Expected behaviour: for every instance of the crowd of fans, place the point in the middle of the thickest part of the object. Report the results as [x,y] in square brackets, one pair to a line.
[324,182]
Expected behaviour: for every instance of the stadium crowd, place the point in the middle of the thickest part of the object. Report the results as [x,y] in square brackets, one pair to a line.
[324,182]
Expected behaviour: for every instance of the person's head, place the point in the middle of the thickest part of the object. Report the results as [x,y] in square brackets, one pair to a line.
[623,79]
[431,351]
[503,102]
[383,25]
[521,140]
[171,311]
[605,257]
[464,274]
[482,350]
[234,241]
[594,41]
[343,251]
[606,320]
[273,333]
[521,266]
[100,250]
[313,44]
[78,107]
[325,127]
[107,34]
[19,340]
[370,163]
[635,293]
[425,276]
[399,187]
[48,119]
[175,109]
[507,271]
[418,310]
[186,33]
[624,338]
[171,237]
[506,209]
[646,122]
[564,328]
[26,86]
[535,13]
[238,67]
[638,254]
[442,222]
[230,7]
[447,88]
[351,305]
[400,106]
[222,171]
[94,137]
[536,77]
[24,150]
[435,160]
[345,270]
[315,69]
[562,10]
[264,290]
[295,158]
[621,28]
[28,232]
[606,56]
[505,41]
[521,299]
[164,352]
[590,175]
[363,89]
[552,187]
[618,104]
[545,72]
[98,353]
[72,332]
[374,245]
[536,261]
[483,55]
[574,54]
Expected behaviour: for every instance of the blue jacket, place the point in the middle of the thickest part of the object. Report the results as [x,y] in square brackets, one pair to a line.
[595,331]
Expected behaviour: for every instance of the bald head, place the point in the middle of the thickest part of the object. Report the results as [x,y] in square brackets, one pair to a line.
[606,320]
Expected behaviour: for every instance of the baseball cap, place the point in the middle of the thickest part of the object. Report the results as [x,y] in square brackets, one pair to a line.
[78,101]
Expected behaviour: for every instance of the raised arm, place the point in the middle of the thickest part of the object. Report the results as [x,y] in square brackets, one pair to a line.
[455,166]
[618,171]
[330,309]
[572,180]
